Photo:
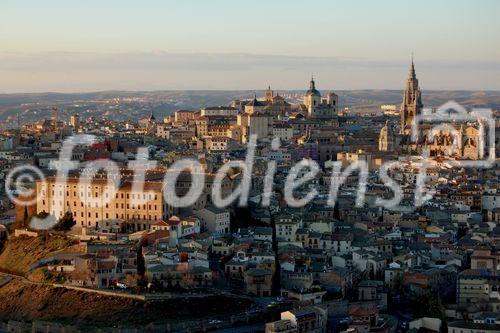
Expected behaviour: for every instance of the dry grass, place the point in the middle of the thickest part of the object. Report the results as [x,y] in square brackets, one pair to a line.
[21,252]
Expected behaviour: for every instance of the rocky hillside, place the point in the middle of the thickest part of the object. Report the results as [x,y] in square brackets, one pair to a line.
[28,302]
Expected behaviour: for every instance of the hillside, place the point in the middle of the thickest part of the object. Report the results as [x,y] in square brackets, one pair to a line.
[21,252]
[37,302]
[135,105]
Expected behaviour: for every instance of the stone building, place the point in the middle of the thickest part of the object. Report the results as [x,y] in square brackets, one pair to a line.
[386,138]
[96,204]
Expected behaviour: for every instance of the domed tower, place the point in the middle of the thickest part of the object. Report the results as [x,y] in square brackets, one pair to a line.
[312,98]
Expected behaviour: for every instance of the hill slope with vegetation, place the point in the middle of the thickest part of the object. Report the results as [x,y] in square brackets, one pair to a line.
[19,253]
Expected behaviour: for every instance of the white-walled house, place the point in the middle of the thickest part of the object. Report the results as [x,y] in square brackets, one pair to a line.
[214,220]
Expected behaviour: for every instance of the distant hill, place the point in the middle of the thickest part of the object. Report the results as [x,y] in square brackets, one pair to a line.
[130,104]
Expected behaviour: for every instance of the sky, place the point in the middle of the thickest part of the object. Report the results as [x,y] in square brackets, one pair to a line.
[91,45]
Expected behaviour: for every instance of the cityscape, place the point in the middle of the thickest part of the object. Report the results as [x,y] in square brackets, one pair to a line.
[292,207]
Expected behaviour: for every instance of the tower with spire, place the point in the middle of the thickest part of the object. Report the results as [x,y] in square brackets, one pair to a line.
[269,94]
[152,117]
[412,101]
[151,124]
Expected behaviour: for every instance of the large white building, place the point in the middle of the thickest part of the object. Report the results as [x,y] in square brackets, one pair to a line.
[255,123]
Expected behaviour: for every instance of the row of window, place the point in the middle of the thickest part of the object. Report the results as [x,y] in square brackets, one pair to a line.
[117,195]
[117,216]
[150,207]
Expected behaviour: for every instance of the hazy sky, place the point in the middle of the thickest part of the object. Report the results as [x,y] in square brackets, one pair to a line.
[228,44]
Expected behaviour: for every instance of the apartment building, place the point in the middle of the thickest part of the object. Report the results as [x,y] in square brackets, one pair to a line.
[99,204]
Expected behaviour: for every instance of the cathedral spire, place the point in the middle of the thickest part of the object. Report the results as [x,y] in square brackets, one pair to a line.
[412,100]
[412,68]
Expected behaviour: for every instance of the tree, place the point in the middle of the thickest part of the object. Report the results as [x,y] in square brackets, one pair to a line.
[141,264]
[25,217]
[141,267]
[65,223]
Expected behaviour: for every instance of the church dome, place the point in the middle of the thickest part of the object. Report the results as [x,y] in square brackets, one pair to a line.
[312,89]
[313,92]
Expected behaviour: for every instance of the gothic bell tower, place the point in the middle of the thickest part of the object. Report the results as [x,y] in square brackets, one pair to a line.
[412,101]
[269,94]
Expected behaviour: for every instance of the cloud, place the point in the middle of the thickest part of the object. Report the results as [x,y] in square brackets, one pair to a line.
[80,71]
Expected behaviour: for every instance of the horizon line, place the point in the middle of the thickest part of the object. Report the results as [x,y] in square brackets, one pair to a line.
[228,90]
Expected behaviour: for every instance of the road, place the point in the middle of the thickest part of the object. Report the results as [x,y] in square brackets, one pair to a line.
[243,329]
